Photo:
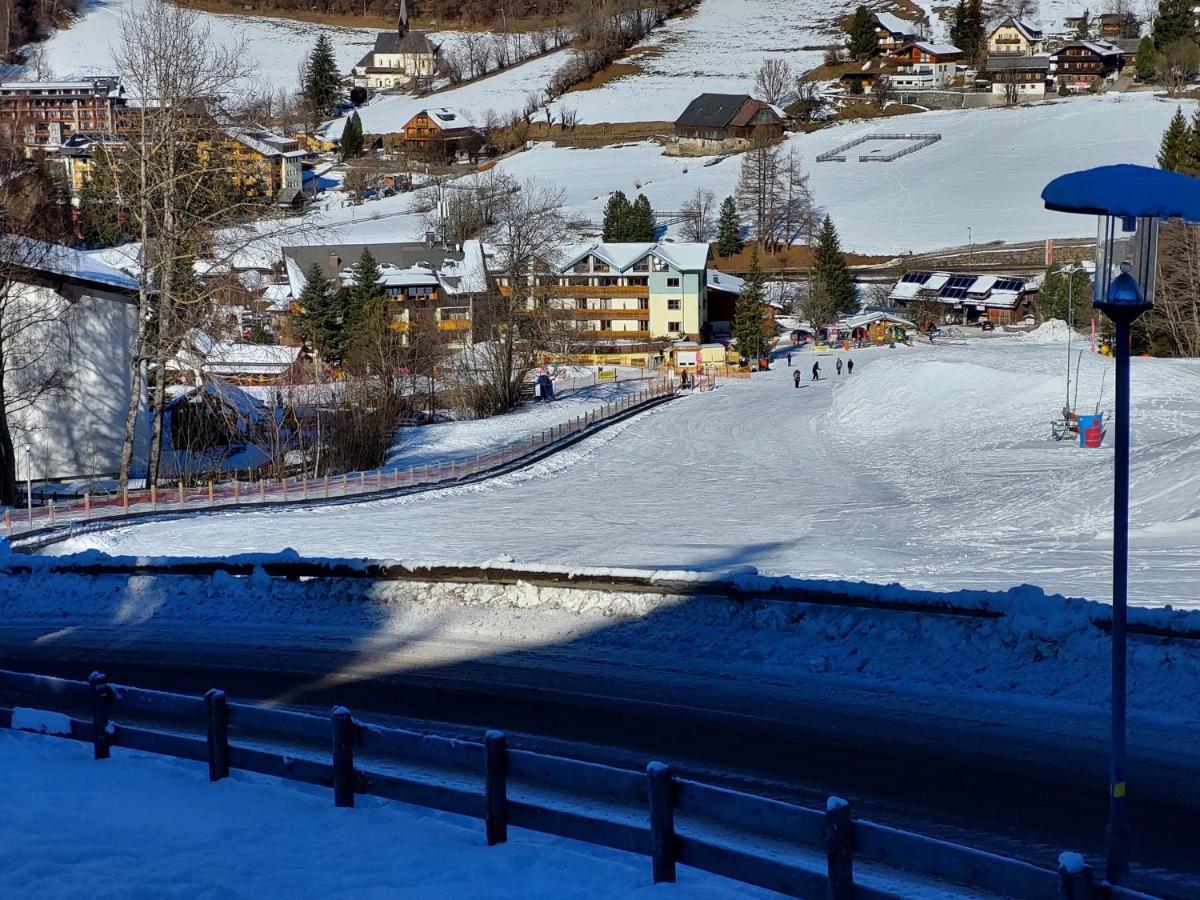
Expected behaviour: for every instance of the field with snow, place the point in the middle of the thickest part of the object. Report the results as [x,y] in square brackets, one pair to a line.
[931,467]
[144,826]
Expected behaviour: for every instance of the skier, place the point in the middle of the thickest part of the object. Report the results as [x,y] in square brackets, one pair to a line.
[796,377]
[839,365]
[849,367]
[817,371]
[789,359]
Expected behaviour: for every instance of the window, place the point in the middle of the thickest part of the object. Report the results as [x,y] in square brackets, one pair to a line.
[674,304]
[673,282]
[606,324]
[674,326]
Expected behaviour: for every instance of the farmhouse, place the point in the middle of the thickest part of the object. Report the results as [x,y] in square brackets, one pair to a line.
[398,59]
[82,316]
[717,123]
[1081,64]
[441,133]
[925,65]
[892,32]
[1018,78]
[1015,37]
[967,299]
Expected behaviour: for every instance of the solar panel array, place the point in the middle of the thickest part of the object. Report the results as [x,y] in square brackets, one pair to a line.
[1008,284]
[916,277]
[957,287]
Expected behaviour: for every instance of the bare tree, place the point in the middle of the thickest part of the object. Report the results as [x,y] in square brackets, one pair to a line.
[883,91]
[1176,315]
[808,103]
[773,193]
[774,80]
[1181,62]
[699,217]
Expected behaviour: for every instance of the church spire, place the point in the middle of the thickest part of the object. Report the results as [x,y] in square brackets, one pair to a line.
[402,21]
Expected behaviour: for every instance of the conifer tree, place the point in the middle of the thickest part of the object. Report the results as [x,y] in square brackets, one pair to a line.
[641,221]
[862,41]
[617,215]
[830,276]
[322,80]
[1146,61]
[1174,20]
[1191,156]
[1173,152]
[749,324]
[352,137]
[729,238]
[364,288]
[958,30]
[322,314]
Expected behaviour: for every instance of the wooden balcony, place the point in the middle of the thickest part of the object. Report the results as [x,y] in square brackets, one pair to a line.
[585,290]
[609,313]
[614,335]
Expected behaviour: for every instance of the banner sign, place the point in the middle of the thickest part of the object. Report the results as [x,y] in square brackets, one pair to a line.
[1091,431]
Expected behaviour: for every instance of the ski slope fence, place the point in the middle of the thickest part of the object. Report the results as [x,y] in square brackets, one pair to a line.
[917,142]
[656,813]
[91,512]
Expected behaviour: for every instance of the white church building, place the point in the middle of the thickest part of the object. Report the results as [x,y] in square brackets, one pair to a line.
[397,59]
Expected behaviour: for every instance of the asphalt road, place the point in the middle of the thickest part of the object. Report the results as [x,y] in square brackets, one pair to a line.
[1019,780]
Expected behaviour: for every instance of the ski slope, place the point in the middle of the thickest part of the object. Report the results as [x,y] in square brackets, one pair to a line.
[930,467]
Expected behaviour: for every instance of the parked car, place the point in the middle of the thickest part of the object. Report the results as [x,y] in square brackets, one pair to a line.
[987,325]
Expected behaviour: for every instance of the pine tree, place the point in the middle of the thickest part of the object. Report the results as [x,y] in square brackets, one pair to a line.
[976,23]
[862,42]
[641,220]
[1190,163]
[1173,153]
[364,287]
[323,314]
[322,80]
[1174,20]
[617,215]
[749,324]
[729,229]
[1085,27]
[958,30]
[830,275]
[352,137]
[1146,61]
[1056,301]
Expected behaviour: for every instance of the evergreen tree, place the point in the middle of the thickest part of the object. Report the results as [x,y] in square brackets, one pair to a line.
[99,218]
[975,37]
[352,137]
[1146,61]
[322,80]
[749,324]
[729,229]
[830,276]
[862,42]
[364,288]
[1174,20]
[641,221]
[323,314]
[1173,152]
[617,215]
[1085,27]
[1191,155]
[958,30]
[1066,294]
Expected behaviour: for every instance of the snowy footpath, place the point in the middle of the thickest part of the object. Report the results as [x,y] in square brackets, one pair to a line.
[138,825]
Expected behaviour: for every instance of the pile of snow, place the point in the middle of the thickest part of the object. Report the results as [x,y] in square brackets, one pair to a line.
[153,821]
[1052,331]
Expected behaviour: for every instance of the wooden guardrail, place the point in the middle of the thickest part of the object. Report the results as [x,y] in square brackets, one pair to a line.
[655,813]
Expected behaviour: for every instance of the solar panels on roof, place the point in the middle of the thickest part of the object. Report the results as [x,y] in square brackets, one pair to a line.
[960,281]
[953,293]
[916,277]
[1008,284]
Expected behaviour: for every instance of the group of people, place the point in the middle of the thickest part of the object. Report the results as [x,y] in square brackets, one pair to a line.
[816,370]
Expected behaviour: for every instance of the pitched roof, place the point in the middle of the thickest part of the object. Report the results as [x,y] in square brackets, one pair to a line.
[931,47]
[712,110]
[748,111]
[1025,29]
[1017,64]
[412,42]
[895,24]
[684,257]
[65,262]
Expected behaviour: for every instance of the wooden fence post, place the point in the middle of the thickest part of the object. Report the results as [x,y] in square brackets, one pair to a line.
[87,504]
[304,489]
[102,693]
[237,490]
[262,490]
[839,848]
[181,494]
[210,490]
[496,787]
[1075,878]
[216,713]
[154,496]
[125,499]
[8,521]
[362,481]
[662,822]
[343,757]
[327,485]
[50,509]
[378,479]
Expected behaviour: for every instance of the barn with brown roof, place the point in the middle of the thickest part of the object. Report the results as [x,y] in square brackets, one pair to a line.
[725,122]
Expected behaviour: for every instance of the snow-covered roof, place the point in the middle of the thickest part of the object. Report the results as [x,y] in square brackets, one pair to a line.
[67,262]
[469,274]
[447,119]
[895,24]
[240,358]
[685,257]
[937,281]
[935,49]
[867,317]
[905,290]
[722,281]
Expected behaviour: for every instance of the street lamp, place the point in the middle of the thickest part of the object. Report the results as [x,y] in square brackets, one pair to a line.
[1130,201]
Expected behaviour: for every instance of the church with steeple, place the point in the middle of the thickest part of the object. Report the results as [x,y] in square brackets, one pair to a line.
[400,58]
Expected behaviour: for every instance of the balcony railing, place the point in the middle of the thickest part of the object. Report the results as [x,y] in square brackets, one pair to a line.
[586,290]
[615,335]
[609,313]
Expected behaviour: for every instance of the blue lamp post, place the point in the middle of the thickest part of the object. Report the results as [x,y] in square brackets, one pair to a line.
[1130,201]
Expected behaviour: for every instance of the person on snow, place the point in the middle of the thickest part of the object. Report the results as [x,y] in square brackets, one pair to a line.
[849,367]
[839,365]
[796,377]
[817,371]
[789,359]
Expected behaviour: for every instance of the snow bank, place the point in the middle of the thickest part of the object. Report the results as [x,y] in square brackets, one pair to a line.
[1052,331]
[40,720]
[153,822]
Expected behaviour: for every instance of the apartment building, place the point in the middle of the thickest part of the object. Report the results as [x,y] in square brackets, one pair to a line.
[45,114]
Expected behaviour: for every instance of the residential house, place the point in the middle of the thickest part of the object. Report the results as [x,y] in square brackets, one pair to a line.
[1076,25]
[719,123]
[44,114]
[233,361]
[1081,64]
[88,318]
[427,283]
[893,32]
[399,58]
[923,65]
[1018,78]
[878,326]
[441,133]
[627,302]
[1015,37]
[1111,26]
[264,163]
[967,299]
